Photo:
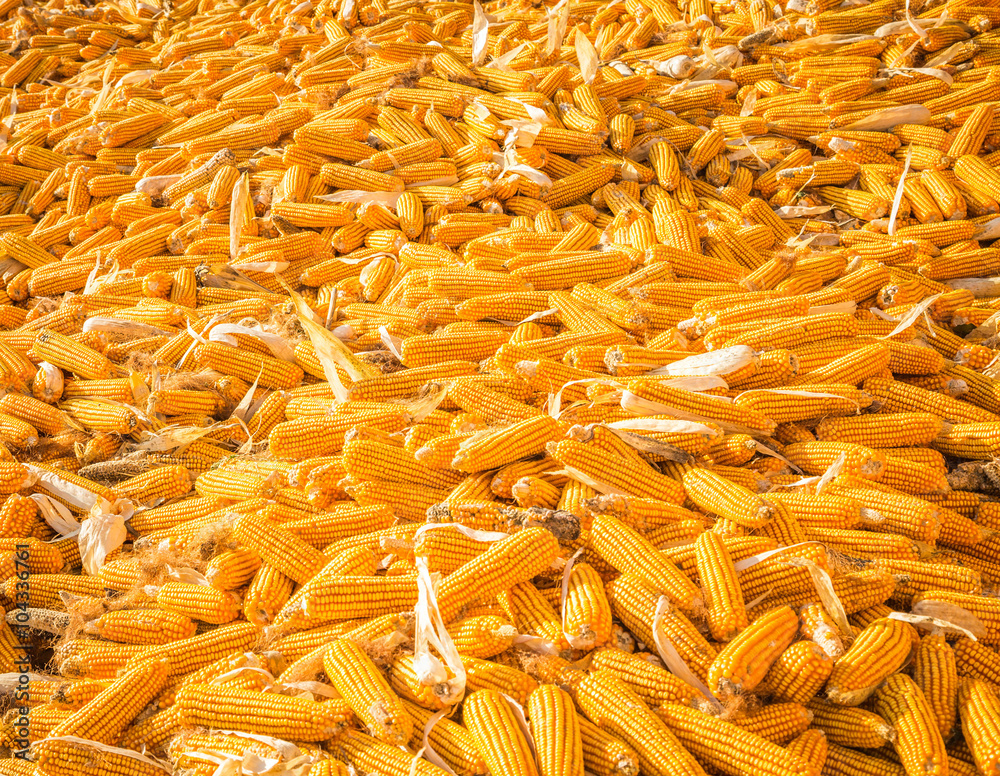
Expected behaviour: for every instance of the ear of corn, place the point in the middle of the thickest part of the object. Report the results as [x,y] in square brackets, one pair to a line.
[367,692]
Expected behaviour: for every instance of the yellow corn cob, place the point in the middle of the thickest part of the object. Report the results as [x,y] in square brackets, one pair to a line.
[858,673]
[127,696]
[144,627]
[903,705]
[635,605]
[851,726]
[630,553]
[281,716]
[726,612]
[653,684]
[977,703]
[742,665]
[491,721]
[279,547]
[62,758]
[629,476]
[935,673]
[368,694]
[612,706]
[798,674]
[201,602]
[715,741]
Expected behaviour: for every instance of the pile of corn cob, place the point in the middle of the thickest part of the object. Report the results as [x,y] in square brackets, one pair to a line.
[427,387]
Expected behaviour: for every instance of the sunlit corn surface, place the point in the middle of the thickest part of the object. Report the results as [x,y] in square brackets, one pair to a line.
[418,388]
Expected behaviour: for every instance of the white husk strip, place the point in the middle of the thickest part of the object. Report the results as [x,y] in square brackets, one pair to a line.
[558,19]
[901,26]
[698,383]
[988,231]
[531,174]
[56,515]
[945,57]
[106,87]
[103,532]
[802,482]
[130,753]
[392,343]
[980,287]
[522,133]
[639,406]
[534,112]
[6,127]
[912,315]
[122,326]
[646,445]
[831,473]
[666,426]
[285,749]
[555,400]
[522,721]
[536,644]
[480,33]
[95,283]
[537,316]
[418,409]
[500,63]
[188,575]
[909,20]
[471,533]
[715,362]
[753,560]
[672,659]
[357,196]
[271,267]
[68,491]
[330,351]
[680,66]
[759,599]
[898,198]
[890,117]
[238,213]
[952,613]
[250,764]
[567,574]
[430,631]
[827,595]
[172,438]
[586,479]
[800,211]
[240,410]
[932,623]
[934,72]
[433,757]
[278,346]
[586,55]
[765,450]
[234,673]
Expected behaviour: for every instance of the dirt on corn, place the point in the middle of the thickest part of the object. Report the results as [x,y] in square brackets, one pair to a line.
[535,389]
